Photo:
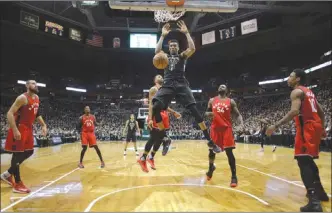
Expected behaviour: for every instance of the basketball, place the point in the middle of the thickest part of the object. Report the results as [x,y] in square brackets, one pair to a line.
[160,61]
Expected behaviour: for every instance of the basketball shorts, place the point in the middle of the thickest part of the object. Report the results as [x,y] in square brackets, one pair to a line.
[178,89]
[165,119]
[131,137]
[307,140]
[223,137]
[26,142]
[89,138]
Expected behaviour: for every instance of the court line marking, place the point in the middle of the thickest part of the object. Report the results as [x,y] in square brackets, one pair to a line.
[276,177]
[35,192]
[92,203]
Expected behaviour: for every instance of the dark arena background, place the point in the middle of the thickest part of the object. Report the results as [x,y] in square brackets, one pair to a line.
[99,54]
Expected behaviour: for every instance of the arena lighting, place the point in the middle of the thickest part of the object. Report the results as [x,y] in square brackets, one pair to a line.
[328,63]
[312,86]
[24,82]
[173,102]
[328,53]
[75,89]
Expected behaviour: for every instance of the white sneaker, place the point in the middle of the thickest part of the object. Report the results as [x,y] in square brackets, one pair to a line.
[274,148]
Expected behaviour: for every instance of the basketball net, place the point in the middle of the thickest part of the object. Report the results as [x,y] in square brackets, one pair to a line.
[163,16]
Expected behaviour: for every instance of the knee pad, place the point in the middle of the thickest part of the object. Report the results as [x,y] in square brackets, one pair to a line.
[194,111]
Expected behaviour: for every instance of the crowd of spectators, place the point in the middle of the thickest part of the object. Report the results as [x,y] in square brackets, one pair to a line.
[62,116]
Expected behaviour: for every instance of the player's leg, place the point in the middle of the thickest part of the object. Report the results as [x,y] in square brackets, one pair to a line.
[84,143]
[185,96]
[318,185]
[126,145]
[155,148]
[166,141]
[217,137]
[93,143]
[134,140]
[232,165]
[160,102]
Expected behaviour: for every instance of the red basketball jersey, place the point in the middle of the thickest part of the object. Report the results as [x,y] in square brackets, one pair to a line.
[221,109]
[88,123]
[308,110]
[27,114]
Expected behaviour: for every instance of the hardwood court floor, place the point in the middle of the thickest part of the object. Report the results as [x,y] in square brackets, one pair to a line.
[267,181]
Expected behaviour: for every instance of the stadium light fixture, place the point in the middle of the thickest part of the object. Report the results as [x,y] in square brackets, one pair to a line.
[75,89]
[24,82]
[312,69]
[173,102]
[328,53]
[193,90]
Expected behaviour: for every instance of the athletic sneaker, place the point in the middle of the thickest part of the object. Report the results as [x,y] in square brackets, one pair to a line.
[151,162]
[234,182]
[214,147]
[142,163]
[166,146]
[274,148]
[102,164]
[8,178]
[314,205]
[210,172]
[21,188]
[80,165]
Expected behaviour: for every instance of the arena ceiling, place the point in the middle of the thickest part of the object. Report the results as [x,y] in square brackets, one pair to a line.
[100,18]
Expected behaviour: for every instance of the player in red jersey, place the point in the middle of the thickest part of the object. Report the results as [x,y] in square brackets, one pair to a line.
[87,123]
[21,116]
[221,108]
[156,135]
[309,121]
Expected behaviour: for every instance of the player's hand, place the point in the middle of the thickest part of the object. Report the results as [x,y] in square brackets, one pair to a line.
[17,134]
[182,27]
[177,115]
[150,124]
[166,29]
[44,131]
[270,130]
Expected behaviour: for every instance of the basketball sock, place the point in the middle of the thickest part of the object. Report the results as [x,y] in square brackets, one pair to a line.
[307,173]
[231,161]
[145,154]
[98,153]
[212,157]
[84,148]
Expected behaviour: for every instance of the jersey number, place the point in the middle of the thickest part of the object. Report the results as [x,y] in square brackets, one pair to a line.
[313,104]
[88,124]
[220,109]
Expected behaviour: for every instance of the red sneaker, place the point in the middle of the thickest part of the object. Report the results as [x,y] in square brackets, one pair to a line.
[9,180]
[234,182]
[151,162]
[21,188]
[80,165]
[142,163]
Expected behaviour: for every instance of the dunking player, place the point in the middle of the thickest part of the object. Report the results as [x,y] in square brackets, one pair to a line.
[175,83]
[221,108]
[20,140]
[309,122]
[86,124]
[156,136]
[131,128]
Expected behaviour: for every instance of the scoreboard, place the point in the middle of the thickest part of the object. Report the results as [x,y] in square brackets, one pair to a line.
[54,28]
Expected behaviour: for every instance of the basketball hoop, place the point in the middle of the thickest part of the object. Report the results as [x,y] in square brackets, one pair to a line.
[162,16]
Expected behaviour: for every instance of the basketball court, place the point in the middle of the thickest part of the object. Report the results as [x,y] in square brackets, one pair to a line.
[267,181]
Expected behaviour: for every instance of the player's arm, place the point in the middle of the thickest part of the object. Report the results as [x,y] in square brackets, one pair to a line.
[320,113]
[95,121]
[164,32]
[236,112]
[296,97]
[191,45]
[42,124]
[209,112]
[125,129]
[18,103]
[175,113]
[137,127]
[79,124]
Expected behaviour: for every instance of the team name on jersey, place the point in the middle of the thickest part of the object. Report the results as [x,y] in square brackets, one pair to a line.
[34,107]
[310,94]
[173,61]
[221,107]
[88,122]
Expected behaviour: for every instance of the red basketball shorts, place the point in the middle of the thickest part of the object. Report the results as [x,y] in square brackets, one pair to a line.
[307,139]
[165,119]
[223,137]
[89,138]
[26,142]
